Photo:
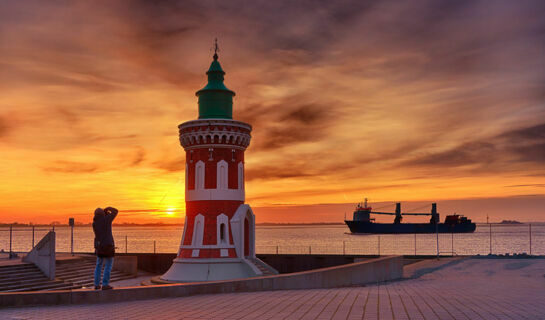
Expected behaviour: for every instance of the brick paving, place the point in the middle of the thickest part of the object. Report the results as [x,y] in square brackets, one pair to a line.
[472,289]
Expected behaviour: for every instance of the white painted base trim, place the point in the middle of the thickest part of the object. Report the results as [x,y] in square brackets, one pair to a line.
[206,260]
[214,194]
[209,246]
[210,271]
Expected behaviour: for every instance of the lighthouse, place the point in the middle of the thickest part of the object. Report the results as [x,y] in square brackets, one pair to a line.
[218,241]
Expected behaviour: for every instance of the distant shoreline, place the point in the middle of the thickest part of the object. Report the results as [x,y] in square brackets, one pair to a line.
[266,224]
[261,224]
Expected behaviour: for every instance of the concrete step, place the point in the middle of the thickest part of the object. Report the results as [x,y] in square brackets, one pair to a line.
[76,267]
[264,269]
[74,263]
[74,273]
[53,285]
[21,274]
[17,263]
[23,280]
[37,284]
[91,282]
[17,267]
[16,277]
[91,276]
[8,273]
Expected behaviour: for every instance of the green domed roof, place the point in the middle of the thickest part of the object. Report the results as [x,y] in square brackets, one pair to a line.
[215,100]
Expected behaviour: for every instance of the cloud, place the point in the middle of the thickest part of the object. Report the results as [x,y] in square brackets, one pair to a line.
[4,127]
[534,133]
[63,166]
[512,146]
[465,154]
[171,165]
[288,122]
[138,157]
[271,172]
[538,185]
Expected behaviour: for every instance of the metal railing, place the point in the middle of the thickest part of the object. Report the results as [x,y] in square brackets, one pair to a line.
[489,240]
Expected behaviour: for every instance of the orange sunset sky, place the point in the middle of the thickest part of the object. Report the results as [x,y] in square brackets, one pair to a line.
[416,102]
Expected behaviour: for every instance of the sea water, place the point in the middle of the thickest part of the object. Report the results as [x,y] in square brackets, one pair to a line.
[302,239]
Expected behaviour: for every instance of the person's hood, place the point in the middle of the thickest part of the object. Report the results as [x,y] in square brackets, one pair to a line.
[99,212]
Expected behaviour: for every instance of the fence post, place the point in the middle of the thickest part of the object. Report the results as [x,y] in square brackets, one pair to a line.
[437,236]
[10,237]
[530,227]
[32,237]
[126,244]
[490,225]
[154,247]
[344,248]
[72,239]
[309,250]
[378,245]
[452,243]
[415,244]
[276,249]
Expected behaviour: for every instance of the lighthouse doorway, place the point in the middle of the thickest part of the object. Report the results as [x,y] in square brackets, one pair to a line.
[246,237]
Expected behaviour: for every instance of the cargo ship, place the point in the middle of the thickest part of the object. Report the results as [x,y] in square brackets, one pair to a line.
[362,222]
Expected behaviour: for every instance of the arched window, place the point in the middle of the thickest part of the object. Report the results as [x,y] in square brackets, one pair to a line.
[222,175]
[199,175]
[222,223]
[222,232]
[240,175]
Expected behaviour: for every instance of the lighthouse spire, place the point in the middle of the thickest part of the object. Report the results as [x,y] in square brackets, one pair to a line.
[216,49]
[215,100]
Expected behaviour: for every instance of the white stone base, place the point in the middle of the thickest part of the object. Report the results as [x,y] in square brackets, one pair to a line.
[196,270]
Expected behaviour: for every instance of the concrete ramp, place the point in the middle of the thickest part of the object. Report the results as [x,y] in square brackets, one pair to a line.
[43,255]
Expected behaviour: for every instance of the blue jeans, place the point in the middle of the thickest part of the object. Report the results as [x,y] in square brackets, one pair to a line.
[108,262]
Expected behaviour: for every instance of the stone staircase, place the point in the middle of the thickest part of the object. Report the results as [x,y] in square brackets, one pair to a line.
[263,267]
[80,272]
[27,277]
[70,274]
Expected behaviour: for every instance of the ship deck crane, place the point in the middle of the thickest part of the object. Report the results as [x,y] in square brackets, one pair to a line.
[399,215]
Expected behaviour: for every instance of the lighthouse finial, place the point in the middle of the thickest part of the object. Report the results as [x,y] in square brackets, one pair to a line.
[216,49]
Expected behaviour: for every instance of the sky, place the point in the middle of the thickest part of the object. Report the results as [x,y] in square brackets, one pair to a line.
[418,102]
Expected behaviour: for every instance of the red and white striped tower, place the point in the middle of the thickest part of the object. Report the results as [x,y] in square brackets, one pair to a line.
[218,240]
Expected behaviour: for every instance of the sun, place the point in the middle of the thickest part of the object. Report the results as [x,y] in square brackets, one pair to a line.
[170,211]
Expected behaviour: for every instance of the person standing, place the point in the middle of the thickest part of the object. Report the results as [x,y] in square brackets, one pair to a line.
[104,245]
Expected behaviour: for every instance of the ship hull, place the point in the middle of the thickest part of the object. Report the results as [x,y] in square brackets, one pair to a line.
[390,228]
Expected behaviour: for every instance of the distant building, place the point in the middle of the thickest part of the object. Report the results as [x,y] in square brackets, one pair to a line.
[218,240]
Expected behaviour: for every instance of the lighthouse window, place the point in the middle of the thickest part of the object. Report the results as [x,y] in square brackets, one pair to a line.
[222,175]
[191,156]
[210,150]
[233,155]
[222,232]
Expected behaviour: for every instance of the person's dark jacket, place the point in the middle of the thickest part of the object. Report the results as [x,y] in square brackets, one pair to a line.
[102,226]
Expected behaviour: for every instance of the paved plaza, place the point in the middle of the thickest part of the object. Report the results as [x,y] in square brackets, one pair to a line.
[469,289]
